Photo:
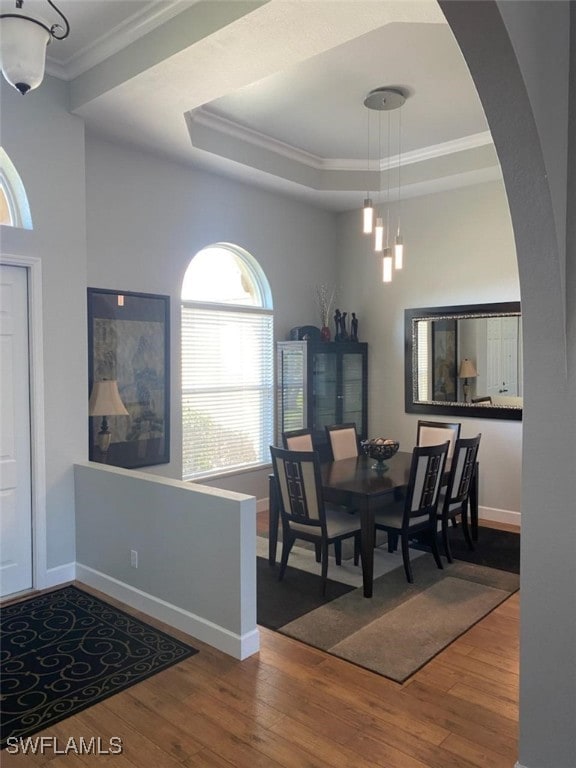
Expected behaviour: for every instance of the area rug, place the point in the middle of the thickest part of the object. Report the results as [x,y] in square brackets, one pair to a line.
[403,625]
[494,548]
[66,650]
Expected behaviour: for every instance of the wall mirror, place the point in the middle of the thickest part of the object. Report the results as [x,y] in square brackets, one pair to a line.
[464,360]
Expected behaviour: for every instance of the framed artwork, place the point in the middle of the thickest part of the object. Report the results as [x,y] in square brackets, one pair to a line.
[129,375]
[444,371]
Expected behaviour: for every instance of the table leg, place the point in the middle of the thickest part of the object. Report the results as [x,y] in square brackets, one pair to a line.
[273,519]
[474,504]
[367,549]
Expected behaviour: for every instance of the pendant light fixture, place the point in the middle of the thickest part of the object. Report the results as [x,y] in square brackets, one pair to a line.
[23,41]
[399,242]
[381,100]
[368,212]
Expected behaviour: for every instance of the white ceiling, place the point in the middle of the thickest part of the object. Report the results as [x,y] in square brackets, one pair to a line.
[273,92]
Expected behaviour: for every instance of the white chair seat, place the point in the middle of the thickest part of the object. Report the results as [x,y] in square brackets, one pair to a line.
[392,514]
[338,522]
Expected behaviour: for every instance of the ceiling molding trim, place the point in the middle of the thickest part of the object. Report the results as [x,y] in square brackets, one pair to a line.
[130,30]
[231,128]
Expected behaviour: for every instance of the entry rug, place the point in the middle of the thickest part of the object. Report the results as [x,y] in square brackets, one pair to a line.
[66,650]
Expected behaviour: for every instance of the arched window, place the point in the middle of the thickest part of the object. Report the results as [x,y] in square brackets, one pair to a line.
[227,363]
[14,208]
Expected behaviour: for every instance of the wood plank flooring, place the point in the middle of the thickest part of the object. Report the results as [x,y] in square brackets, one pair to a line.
[293,706]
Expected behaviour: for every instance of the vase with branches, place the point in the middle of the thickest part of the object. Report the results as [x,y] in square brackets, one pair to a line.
[325,298]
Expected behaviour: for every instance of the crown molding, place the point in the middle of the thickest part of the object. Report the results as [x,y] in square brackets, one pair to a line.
[127,32]
[228,127]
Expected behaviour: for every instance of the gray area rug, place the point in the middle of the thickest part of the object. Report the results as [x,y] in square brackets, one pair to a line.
[404,625]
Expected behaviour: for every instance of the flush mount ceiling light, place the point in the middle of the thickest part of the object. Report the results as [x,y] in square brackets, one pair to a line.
[23,41]
[385,99]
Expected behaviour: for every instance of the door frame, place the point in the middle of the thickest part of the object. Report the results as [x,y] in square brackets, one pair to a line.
[33,267]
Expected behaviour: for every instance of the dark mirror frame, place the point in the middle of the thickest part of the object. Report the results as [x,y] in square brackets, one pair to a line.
[461,312]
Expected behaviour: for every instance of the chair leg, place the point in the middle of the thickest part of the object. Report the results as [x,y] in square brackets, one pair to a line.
[466,528]
[324,566]
[435,550]
[338,551]
[318,552]
[406,558]
[392,542]
[287,542]
[446,541]
[357,547]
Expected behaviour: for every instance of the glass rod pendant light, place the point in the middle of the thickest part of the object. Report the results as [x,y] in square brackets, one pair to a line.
[379,236]
[368,217]
[385,99]
[399,242]
[368,213]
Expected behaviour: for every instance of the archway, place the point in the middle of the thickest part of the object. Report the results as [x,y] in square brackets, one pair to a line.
[533,184]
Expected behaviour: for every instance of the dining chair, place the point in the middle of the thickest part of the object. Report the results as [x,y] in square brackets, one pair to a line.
[454,501]
[304,512]
[436,432]
[298,440]
[343,441]
[415,516]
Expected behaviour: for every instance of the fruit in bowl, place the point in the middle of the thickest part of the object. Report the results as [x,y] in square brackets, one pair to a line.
[380,448]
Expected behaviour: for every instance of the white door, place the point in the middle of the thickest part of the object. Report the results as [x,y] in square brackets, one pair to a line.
[15,462]
[502,356]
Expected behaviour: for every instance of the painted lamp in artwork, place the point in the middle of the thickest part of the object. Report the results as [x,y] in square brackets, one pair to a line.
[105,401]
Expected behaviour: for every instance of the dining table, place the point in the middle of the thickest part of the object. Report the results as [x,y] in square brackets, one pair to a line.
[360,483]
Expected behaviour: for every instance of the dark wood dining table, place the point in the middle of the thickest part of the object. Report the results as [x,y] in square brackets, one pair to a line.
[355,482]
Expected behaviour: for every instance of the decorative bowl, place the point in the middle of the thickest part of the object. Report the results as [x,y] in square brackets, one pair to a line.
[380,449]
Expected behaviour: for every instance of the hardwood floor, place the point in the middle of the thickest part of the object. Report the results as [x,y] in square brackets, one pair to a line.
[291,705]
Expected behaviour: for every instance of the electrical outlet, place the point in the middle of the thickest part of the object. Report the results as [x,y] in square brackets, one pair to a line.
[134,558]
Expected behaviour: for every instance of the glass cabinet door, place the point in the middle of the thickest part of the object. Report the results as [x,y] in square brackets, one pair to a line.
[324,390]
[291,390]
[352,389]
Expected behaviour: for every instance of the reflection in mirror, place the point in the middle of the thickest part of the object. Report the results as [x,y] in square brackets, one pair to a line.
[465,357]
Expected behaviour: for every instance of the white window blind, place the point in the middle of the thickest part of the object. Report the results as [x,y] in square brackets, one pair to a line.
[227,389]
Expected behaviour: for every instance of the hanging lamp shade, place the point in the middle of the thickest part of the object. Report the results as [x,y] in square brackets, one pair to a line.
[23,42]
[23,51]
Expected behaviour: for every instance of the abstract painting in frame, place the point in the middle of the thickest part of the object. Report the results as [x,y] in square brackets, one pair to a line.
[444,373]
[129,342]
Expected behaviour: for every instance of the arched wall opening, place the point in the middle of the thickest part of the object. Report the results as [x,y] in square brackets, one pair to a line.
[548,574]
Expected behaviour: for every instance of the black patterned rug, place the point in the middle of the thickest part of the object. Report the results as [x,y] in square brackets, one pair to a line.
[66,650]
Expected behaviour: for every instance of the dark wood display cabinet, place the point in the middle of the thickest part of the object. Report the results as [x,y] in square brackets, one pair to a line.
[321,383]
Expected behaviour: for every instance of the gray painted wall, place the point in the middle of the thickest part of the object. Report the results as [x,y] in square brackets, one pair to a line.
[196,551]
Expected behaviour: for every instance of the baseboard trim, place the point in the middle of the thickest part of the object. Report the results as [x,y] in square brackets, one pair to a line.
[237,646]
[507,516]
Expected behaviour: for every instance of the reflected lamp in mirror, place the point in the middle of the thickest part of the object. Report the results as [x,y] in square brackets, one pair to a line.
[105,401]
[467,371]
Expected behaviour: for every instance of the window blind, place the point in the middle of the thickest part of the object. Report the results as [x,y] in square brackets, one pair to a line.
[227,389]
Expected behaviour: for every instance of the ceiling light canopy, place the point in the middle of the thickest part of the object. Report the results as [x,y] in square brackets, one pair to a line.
[23,41]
